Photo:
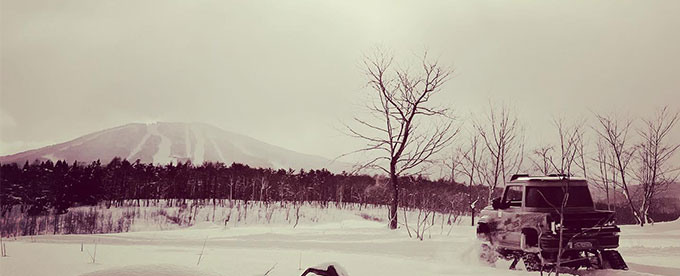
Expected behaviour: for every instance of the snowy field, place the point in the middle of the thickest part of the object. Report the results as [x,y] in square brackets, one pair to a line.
[359,244]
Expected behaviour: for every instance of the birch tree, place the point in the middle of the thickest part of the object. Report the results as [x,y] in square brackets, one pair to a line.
[614,133]
[654,171]
[503,146]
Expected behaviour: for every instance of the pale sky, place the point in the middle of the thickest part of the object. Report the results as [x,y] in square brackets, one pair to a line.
[287,72]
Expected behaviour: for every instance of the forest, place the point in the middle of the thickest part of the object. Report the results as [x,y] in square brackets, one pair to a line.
[46,188]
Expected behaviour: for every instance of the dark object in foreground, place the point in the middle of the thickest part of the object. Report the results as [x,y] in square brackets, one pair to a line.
[326,270]
[330,271]
[527,221]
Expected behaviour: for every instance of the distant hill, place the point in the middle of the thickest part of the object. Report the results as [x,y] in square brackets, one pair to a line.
[163,142]
[673,191]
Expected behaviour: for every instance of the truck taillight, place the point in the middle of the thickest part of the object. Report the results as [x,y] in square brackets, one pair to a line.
[551,223]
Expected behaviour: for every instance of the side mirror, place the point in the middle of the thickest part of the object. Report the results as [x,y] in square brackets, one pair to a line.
[496,203]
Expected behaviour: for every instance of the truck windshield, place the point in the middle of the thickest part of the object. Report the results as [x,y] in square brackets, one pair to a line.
[544,197]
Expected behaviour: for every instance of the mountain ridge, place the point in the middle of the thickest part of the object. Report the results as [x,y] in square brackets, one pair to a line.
[165,142]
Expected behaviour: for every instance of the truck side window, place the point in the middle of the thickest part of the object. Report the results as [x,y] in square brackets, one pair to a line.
[513,196]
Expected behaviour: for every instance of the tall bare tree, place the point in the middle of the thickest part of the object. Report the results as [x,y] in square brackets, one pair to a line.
[503,146]
[605,176]
[542,160]
[580,150]
[654,173]
[452,163]
[395,128]
[570,138]
[614,133]
[467,163]
[565,157]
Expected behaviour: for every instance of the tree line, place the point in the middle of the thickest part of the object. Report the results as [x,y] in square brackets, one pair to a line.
[45,187]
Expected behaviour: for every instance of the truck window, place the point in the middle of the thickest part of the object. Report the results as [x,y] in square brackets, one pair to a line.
[552,197]
[513,196]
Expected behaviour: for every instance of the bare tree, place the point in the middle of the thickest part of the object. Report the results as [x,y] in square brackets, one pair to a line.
[580,150]
[395,130]
[542,161]
[605,176]
[468,164]
[452,163]
[615,135]
[570,144]
[653,172]
[503,147]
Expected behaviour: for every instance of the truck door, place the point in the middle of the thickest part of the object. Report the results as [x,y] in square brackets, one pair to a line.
[510,219]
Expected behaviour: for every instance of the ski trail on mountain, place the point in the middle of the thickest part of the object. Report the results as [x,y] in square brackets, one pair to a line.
[87,138]
[199,150]
[217,149]
[139,146]
[163,154]
[187,141]
[51,157]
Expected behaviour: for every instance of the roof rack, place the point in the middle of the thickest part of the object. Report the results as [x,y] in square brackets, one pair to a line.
[515,176]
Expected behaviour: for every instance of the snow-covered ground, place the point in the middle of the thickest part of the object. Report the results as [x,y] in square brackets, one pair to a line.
[361,246]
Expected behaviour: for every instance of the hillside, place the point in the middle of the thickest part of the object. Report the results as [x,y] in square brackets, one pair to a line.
[673,191]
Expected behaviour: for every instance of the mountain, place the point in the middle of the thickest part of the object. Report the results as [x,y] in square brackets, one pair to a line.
[162,143]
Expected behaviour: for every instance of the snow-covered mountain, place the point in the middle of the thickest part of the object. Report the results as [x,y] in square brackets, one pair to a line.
[163,142]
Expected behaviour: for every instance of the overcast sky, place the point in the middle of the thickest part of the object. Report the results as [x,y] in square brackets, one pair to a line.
[287,72]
